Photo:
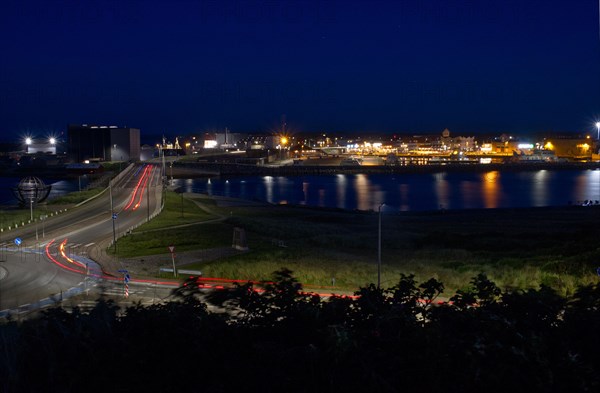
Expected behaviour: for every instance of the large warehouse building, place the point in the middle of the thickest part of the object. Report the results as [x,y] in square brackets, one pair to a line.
[103,143]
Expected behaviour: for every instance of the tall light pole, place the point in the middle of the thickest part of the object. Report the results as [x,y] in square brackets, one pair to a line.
[379,249]
[112,213]
[148,196]
[52,141]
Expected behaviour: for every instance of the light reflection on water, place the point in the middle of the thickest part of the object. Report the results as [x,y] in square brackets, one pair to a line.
[491,189]
[412,192]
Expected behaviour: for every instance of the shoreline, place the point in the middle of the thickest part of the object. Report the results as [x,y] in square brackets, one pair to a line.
[182,170]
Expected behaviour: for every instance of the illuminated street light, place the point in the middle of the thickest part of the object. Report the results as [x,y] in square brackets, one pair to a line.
[52,140]
[598,127]
[28,141]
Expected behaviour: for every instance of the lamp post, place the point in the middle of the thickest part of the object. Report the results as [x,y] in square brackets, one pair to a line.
[379,248]
[148,198]
[43,220]
[113,215]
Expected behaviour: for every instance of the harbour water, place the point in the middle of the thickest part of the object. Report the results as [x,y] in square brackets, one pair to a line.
[411,192]
[401,192]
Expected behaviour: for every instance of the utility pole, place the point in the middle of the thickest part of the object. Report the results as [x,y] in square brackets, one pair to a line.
[148,195]
[379,250]
[112,214]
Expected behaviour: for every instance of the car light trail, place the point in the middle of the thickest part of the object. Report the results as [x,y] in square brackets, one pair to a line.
[61,249]
[136,189]
[147,177]
[56,261]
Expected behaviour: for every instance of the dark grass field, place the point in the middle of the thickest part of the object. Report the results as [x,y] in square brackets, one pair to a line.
[517,248]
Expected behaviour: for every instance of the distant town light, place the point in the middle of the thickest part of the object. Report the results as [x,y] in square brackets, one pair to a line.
[486,148]
[210,144]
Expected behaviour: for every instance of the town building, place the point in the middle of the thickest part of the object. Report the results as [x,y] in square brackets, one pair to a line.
[103,143]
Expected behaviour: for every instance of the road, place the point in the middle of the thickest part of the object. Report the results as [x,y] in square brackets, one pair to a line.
[64,257]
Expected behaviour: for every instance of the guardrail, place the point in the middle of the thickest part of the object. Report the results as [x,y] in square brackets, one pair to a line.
[23,223]
[180,271]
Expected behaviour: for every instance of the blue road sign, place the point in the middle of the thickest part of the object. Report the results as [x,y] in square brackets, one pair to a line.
[127,278]
[18,241]
[114,216]
[598,271]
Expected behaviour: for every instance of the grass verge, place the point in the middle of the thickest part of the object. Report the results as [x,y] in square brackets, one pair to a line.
[517,248]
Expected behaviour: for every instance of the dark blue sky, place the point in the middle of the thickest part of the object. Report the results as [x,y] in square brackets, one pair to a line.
[409,66]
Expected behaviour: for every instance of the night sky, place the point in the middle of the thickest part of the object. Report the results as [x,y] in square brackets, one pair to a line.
[405,66]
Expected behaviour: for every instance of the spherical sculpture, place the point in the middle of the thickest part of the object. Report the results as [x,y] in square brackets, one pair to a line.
[31,190]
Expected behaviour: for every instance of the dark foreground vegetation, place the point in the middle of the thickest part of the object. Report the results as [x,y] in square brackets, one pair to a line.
[280,340]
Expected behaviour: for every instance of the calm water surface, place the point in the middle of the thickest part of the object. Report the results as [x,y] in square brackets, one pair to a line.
[411,192]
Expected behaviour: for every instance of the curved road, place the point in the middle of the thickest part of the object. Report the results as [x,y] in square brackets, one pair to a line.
[65,255]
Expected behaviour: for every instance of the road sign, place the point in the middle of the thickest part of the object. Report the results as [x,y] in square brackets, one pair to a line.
[18,241]
[172,249]
[127,278]
[114,216]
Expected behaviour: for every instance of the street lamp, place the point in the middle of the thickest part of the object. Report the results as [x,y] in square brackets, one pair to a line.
[379,248]
[28,142]
[598,127]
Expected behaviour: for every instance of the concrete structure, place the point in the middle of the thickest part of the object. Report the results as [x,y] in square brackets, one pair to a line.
[219,140]
[45,148]
[103,143]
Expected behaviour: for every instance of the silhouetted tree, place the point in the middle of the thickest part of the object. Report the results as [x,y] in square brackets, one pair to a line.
[276,338]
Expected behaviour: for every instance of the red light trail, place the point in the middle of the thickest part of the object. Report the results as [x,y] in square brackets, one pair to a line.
[143,179]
